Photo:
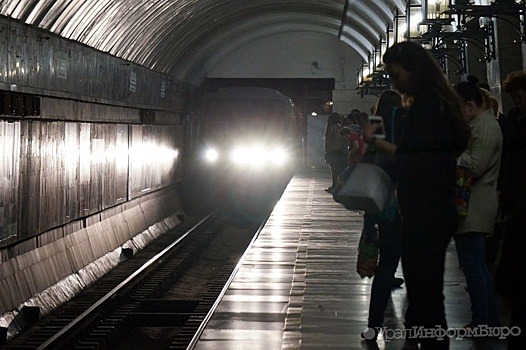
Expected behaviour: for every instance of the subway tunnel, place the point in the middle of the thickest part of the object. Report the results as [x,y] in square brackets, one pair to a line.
[84,82]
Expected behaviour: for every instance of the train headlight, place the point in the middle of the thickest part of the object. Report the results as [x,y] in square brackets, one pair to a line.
[241,155]
[257,156]
[260,156]
[279,156]
[211,155]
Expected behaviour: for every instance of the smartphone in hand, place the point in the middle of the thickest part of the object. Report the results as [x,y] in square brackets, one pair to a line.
[380,129]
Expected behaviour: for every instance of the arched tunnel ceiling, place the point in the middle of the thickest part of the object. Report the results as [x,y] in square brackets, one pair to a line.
[184,37]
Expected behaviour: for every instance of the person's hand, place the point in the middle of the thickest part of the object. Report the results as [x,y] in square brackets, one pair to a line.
[368,131]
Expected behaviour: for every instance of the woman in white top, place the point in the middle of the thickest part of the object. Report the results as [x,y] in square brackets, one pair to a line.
[482,159]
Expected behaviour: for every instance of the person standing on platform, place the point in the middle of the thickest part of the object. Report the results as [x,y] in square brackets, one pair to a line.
[389,226]
[352,134]
[434,134]
[482,160]
[510,278]
[335,149]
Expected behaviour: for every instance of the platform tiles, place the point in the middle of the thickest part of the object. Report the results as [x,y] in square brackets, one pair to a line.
[297,287]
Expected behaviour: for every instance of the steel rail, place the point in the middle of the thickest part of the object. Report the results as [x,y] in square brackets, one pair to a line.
[53,341]
[208,316]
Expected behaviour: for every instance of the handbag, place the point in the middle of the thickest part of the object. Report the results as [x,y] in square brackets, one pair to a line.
[464,180]
[368,252]
[368,188]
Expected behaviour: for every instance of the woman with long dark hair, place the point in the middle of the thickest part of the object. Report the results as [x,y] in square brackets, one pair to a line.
[434,134]
[389,108]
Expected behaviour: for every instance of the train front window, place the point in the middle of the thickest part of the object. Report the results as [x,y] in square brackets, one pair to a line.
[243,117]
[246,127]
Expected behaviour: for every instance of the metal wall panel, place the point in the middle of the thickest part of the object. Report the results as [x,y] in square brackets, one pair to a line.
[54,172]
[39,62]
[33,61]
[30,158]
[71,182]
[97,164]
[52,108]
[9,171]
[84,168]
[73,159]
[154,154]
[115,188]
[179,144]
[4,66]
[62,60]
[17,43]
[51,175]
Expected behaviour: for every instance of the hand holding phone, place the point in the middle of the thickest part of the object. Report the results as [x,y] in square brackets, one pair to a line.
[379,122]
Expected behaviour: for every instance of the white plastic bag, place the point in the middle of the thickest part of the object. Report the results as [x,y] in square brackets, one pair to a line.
[367,188]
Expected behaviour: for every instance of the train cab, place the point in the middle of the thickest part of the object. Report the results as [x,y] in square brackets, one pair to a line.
[246,143]
[246,128]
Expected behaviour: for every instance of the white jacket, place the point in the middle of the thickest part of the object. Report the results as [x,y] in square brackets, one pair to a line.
[482,158]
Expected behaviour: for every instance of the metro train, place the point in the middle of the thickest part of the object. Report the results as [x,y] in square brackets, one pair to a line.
[252,128]
[249,140]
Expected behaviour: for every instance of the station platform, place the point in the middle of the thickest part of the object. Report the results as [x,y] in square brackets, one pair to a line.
[297,286]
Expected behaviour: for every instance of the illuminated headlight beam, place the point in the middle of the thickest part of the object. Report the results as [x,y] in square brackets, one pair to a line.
[257,156]
[241,155]
[211,155]
[279,156]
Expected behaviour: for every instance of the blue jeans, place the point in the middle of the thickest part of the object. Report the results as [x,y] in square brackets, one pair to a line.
[389,233]
[484,305]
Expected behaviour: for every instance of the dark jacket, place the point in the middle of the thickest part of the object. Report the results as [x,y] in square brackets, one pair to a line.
[425,161]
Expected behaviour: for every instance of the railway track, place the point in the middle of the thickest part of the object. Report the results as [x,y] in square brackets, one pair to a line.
[157,299]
